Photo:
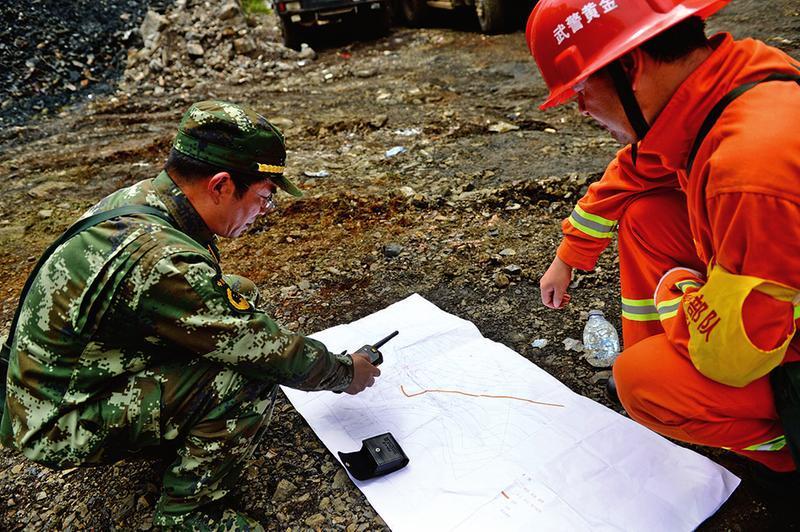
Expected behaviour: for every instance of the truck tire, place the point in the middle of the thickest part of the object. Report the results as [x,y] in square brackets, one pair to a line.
[292,34]
[415,12]
[492,15]
[377,23]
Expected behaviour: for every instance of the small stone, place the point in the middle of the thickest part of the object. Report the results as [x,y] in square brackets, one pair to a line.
[244,45]
[229,10]
[392,249]
[366,73]
[378,121]
[288,291]
[501,280]
[325,503]
[68,520]
[281,123]
[341,480]
[124,507]
[45,213]
[517,337]
[41,495]
[316,520]
[306,52]
[507,252]
[195,49]
[539,343]
[502,127]
[142,503]
[512,269]
[571,344]
[339,506]
[46,190]
[408,191]
[303,285]
[283,491]
[601,376]
[151,25]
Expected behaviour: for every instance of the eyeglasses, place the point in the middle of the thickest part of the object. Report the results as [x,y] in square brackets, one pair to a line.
[268,203]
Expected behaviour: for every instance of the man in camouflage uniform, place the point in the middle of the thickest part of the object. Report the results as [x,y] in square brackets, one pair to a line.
[131,337]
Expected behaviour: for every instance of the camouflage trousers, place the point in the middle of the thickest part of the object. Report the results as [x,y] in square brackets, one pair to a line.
[208,417]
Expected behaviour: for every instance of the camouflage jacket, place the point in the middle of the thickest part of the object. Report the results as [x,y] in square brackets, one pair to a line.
[124,296]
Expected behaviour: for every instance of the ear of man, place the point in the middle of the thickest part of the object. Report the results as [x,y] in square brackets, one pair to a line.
[634,65]
[220,186]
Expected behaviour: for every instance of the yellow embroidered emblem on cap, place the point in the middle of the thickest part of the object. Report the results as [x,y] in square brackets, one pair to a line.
[270,168]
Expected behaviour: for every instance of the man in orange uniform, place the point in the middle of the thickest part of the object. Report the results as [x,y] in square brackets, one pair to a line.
[706,201]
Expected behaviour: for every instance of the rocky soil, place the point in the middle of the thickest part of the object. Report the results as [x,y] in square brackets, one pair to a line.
[428,169]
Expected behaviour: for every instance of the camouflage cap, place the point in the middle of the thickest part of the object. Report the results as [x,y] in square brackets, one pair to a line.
[247,142]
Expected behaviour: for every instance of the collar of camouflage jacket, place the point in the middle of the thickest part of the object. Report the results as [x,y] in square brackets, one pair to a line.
[184,213]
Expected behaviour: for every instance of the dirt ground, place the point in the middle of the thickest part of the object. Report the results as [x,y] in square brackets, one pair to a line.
[465,216]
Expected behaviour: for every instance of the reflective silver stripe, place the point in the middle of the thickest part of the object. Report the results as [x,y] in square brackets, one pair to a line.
[639,309]
[650,309]
[666,309]
[683,285]
[669,309]
[595,226]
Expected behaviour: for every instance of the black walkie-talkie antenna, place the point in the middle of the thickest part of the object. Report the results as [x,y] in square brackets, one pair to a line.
[380,343]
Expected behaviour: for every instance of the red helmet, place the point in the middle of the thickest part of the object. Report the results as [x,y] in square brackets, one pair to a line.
[572,39]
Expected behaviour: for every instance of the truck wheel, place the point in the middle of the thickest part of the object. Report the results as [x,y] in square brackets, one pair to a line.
[415,12]
[291,33]
[377,23]
[492,15]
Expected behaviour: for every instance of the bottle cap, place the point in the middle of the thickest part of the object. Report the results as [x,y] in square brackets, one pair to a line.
[595,312]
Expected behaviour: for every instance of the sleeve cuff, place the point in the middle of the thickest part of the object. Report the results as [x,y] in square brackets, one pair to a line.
[575,258]
[344,373]
[676,282]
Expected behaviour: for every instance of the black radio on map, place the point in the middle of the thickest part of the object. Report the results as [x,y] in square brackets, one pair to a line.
[379,455]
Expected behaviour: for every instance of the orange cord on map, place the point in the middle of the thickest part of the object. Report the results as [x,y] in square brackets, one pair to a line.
[423,392]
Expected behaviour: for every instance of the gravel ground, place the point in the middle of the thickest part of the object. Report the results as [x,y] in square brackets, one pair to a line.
[55,52]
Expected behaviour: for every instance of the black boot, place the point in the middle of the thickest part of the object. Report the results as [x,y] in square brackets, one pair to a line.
[611,391]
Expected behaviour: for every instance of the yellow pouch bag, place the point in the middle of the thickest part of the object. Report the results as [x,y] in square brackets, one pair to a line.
[718,343]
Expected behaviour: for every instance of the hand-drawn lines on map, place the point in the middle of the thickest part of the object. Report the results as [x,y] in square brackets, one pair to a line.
[468,394]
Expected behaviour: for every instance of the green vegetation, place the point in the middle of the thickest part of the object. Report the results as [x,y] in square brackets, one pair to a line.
[251,7]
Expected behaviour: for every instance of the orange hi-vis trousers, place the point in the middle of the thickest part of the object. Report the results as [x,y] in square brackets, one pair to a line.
[659,387]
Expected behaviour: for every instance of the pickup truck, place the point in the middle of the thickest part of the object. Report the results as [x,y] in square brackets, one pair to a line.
[494,16]
[299,17]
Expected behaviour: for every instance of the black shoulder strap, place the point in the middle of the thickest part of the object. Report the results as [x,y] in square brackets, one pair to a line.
[726,100]
[76,228]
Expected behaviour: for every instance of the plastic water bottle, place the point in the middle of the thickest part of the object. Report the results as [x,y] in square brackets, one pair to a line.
[600,340]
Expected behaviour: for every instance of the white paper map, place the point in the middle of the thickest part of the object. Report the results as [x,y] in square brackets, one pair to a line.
[485,454]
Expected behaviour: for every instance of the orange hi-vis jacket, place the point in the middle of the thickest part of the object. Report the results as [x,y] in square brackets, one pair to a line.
[736,320]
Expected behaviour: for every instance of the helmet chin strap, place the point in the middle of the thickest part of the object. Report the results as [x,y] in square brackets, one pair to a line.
[629,102]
